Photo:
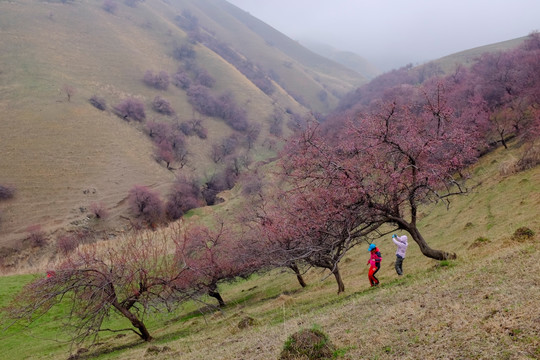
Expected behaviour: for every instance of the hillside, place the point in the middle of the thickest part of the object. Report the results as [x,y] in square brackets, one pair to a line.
[62,154]
[298,70]
[347,58]
[417,74]
[467,57]
[482,305]
[73,141]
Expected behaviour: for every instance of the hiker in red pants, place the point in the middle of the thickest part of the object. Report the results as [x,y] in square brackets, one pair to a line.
[374,263]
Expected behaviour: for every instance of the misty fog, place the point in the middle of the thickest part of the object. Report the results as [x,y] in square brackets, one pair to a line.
[394,33]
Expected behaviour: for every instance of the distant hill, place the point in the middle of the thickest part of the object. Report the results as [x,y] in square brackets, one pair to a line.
[294,66]
[467,57]
[346,58]
[413,75]
[62,154]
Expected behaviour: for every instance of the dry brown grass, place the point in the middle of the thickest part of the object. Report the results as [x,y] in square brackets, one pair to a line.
[478,309]
[64,155]
[482,306]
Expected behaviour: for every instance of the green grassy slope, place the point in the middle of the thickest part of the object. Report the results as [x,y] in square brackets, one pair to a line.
[483,305]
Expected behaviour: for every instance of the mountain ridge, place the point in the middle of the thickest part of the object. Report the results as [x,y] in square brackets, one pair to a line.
[61,154]
[349,59]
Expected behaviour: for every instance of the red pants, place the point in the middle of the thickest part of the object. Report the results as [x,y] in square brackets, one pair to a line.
[371,275]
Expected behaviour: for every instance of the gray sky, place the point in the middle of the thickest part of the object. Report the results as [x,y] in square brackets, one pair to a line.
[393,33]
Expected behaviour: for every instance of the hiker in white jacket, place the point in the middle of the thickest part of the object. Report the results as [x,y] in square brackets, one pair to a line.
[401,242]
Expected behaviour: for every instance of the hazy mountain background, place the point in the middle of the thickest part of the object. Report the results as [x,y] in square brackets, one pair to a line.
[347,58]
[393,33]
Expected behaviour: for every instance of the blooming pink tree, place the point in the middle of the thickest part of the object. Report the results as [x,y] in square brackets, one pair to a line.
[272,236]
[158,131]
[159,81]
[509,85]
[131,109]
[184,195]
[110,6]
[162,106]
[145,204]
[98,102]
[164,152]
[389,162]
[99,210]
[6,192]
[214,254]
[69,90]
[132,279]
[312,223]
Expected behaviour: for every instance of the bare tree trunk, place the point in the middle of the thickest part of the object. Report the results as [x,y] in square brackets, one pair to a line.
[299,277]
[217,296]
[213,292]
[503,142]
[339,280]
[424,247]
[138,324]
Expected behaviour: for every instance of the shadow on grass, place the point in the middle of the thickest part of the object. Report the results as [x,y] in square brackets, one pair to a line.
[401,281]
[83,353]
[211,309]
[174,335]
[202,311]
[288,292]
[102,349]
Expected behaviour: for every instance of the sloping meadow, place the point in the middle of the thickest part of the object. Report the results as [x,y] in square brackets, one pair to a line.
[482,305]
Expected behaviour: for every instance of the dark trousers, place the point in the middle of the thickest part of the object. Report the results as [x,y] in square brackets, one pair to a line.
[378,265]
[399,265]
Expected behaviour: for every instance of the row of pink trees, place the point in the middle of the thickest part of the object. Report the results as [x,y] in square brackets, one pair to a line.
[501,87]
[137,276]
[308,225]
[338,192]
[508,86]
[377,165]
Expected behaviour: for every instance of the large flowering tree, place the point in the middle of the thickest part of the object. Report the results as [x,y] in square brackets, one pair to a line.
[214,255]
[387,163]
[132,278]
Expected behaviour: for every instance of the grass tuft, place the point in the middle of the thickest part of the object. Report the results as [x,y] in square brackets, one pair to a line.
[522,234]
[311,344]
[444,264]
[479,241]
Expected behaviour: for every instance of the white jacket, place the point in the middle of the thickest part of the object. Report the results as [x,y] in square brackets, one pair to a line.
[401,242]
